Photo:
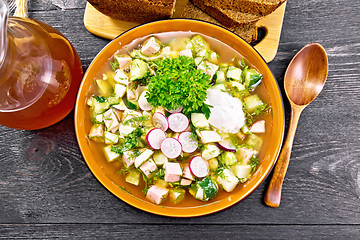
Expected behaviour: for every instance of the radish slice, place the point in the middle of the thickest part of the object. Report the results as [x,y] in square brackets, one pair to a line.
[258,127]
[143,102]
[188,143]
[199,167]
[160,121]
[226,145]
[171,148]
[178,122]
[179,109]
[155,137]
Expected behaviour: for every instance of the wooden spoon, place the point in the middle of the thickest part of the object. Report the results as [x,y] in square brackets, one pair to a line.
[304,79]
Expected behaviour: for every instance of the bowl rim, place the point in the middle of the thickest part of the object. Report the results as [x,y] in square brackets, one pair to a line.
[147,206]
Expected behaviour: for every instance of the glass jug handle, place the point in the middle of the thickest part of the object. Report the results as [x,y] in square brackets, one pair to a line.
[4,13]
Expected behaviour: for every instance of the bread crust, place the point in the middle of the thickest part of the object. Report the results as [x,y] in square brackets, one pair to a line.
[228,17]
[140,11]
[247,31]
[259,7]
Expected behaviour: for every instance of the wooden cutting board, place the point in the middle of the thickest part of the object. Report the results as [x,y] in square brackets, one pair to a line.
[107,27]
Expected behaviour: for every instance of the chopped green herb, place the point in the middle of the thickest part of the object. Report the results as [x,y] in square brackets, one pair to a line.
[115,65]
[100,99]
[205,109]
[178,83]
[131,121]
[130,142]
[254,162]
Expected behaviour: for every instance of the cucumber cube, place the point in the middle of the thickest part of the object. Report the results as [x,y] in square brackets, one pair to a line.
[199,120]
[228,158]
[234,73]
[138,69]
[252,102]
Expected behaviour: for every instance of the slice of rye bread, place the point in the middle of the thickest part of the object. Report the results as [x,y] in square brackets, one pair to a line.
[259,7]
[228,17]
[140,11]
[247,31]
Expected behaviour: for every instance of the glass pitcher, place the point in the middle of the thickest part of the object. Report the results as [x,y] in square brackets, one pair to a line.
[40,73]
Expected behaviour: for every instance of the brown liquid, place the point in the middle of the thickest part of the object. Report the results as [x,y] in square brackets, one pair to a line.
[227,55]
[39,78]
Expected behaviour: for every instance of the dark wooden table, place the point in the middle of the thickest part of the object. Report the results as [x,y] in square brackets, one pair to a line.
[47,190]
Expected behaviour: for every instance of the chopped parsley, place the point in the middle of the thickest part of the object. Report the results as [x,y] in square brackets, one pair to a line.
[178,82]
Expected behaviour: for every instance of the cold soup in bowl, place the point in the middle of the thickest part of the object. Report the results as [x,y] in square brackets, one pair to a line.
[177,120]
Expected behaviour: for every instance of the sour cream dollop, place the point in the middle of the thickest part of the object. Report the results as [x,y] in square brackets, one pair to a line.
[226,114]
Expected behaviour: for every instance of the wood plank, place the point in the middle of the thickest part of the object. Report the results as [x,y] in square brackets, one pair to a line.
[193,231]
[43,177]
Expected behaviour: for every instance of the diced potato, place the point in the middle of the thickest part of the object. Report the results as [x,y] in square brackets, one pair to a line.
[255,141]
[241,171]
[213,163]
[133,177]
[210,151]
[176,195]
[120,90]
[159,158]
[110,155]
[208,136]
[227,180]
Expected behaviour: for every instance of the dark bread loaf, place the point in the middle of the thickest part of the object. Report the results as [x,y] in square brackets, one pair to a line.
[140,11]
[260,7]
[247,31]
[228,17]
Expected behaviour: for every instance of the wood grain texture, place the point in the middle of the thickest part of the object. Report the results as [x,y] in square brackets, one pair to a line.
[47,191]
[195,231]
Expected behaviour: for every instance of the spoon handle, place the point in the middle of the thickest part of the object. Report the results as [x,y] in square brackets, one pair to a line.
[273,195]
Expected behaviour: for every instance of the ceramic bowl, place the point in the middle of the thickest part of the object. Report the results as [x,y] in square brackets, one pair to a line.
[107,173]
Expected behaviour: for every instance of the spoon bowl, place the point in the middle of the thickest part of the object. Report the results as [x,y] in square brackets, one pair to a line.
[306,75]
[304,79]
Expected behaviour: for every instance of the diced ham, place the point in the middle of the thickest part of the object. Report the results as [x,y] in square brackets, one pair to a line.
[186,52]
[123,60]
[111,121]
[151,47]
[208,68]
[130,94]
[172,172]
[185,182]
[128,158]
[187,173]
[245,154]
[148,167]
[96,131]
[157,194]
